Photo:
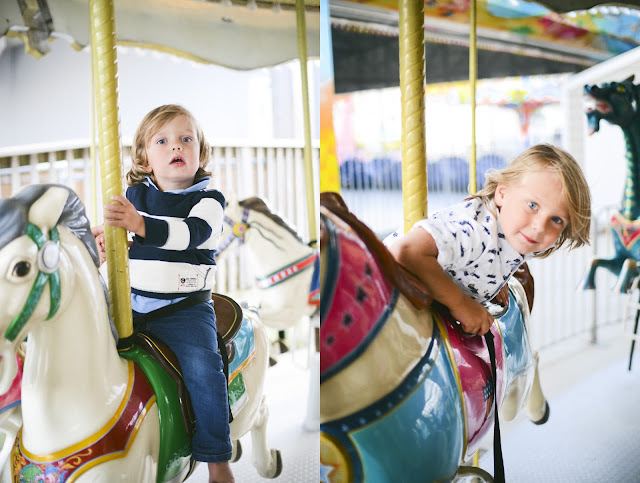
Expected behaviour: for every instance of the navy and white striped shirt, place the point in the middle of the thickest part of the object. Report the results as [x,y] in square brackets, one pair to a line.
[176,256]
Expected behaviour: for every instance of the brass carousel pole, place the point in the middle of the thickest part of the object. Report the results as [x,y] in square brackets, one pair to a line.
[308,162]
[412,81]
[103,51]
[92,143]
[473,74]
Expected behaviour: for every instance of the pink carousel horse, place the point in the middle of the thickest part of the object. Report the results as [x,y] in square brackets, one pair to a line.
[404,396]
[89,412]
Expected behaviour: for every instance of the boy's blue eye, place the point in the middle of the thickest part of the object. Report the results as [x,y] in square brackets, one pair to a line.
[186,139]
[557,219]
[161,141]
[532,205]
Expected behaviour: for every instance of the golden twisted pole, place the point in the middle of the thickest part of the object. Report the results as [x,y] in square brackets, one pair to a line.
[308,163]
[103,50]
[414,159]
[473,74]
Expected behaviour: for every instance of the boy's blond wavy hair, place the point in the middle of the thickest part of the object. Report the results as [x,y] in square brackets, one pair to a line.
[150,125]
[574,187]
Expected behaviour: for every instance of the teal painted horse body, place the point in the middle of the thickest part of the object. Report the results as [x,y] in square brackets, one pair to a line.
[617,103]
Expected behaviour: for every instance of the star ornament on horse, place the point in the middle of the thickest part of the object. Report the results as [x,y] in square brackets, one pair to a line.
[238,230]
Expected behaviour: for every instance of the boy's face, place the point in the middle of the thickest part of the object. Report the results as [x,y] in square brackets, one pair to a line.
[173,154]
[533,211]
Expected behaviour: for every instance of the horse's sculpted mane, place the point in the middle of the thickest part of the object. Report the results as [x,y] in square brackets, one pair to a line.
[399,276]
[257,204]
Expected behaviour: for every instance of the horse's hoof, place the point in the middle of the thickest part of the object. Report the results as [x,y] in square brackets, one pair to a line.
[238,452]
[278,463]
[544,418]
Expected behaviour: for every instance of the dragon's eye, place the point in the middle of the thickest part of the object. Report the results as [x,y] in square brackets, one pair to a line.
[621,89]
[21,269]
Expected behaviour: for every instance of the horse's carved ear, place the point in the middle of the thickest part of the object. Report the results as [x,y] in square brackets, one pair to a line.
[630,78]
[46,210]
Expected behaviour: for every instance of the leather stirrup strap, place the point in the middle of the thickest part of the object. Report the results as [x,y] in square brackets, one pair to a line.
[498,464]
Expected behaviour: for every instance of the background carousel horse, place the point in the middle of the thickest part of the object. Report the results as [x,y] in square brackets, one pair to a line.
[286,269]
[88,413]
[404,396]
[619,104]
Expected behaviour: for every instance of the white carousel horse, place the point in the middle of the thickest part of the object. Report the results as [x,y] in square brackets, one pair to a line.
[88,413]
[404,396]
[283,264]
[287,278]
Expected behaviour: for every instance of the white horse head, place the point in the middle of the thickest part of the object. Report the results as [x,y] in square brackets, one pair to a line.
[282,263]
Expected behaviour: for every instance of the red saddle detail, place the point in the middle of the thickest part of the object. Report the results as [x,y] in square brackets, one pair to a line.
[111,442]
[627,230]
[361,295]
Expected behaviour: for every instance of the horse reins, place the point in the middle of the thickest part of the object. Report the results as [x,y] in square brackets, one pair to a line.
[48,261]
[287,271]
[498,464]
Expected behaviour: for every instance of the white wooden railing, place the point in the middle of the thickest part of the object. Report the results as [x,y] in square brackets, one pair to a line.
[272,170]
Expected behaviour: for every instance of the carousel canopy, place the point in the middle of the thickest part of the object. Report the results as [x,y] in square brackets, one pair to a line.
[515,38]
[240,34]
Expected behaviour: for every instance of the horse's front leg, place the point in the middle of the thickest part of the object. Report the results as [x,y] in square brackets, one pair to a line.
[267,462]
[614,265]
[628,272]
[537,406]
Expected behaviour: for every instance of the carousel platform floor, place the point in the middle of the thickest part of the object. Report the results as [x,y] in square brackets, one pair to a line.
[286,390]
[592,432]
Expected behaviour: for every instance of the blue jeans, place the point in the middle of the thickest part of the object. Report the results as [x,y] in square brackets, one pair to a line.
[191,335]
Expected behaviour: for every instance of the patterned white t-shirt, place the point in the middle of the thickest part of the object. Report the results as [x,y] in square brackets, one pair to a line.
[472,249]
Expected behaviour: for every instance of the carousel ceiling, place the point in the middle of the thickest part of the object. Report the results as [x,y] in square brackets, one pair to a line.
[240,34]
[515,38]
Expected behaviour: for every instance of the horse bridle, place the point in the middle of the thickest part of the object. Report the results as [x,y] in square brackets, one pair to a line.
[238,230]
[48,262]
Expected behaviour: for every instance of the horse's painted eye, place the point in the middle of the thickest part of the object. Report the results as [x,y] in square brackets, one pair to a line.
[21,269]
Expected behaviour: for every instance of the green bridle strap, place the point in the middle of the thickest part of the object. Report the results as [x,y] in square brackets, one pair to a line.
[53,278]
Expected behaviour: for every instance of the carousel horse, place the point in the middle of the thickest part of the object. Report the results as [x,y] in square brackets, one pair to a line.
[89,412]
[286,269]
[404,395]
[618,103]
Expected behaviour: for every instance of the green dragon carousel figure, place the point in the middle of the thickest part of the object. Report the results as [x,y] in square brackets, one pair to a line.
[617,103]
